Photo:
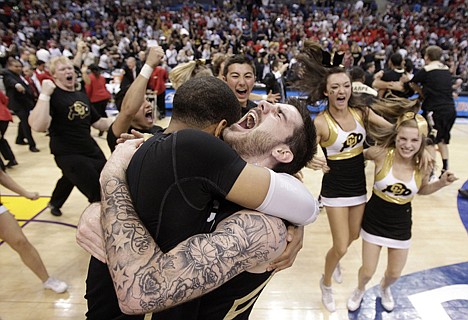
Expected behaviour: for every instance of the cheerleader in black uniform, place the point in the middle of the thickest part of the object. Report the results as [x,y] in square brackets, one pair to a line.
[401,171]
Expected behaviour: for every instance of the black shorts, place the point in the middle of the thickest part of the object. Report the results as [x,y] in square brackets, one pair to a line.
[443,123]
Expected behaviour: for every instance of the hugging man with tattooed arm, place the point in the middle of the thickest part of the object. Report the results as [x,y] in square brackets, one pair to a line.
[244,241]
[247,189]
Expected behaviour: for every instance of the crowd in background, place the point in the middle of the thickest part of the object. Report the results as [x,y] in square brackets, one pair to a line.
[35,31]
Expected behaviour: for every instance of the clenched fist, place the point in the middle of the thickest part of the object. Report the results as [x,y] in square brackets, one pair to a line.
[48,87]
[154,56]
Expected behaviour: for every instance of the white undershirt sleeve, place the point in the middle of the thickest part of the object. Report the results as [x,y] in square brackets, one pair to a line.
[289,199]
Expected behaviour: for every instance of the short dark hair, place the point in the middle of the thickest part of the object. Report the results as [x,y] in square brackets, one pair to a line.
[303,141]
[396,59]
[239,59]
[203,101]
[368,65]
[12,60]
[94,68]
[357,73]
[409,66]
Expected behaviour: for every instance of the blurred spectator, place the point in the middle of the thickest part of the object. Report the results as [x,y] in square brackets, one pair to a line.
[40,74]
[21,101]
[157,83]
[369,69]
[5,119]
[131,70]
[97,92]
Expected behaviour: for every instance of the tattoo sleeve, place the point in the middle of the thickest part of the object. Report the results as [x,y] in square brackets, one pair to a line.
[148,280]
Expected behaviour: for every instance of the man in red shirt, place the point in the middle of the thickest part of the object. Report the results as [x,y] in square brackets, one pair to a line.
[41,73]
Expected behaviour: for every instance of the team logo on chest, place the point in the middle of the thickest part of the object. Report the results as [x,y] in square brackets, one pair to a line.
[397,189]
[352,140]
[78,109]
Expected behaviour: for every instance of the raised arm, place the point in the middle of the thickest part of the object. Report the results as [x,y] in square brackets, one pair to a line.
[39,118]
[135,95]
[146,280]
[82,47]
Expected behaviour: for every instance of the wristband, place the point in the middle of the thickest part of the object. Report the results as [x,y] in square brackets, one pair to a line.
[264,97]
[44,97]
[146,71]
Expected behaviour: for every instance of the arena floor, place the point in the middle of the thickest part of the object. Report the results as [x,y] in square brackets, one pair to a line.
[434,285]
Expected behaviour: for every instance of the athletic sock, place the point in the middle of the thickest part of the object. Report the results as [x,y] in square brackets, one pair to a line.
[444,164]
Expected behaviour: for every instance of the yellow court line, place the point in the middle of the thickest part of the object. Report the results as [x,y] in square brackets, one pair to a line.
[24,209]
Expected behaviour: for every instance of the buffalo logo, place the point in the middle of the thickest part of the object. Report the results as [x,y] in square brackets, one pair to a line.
[352,140]
[78,109]
[398,189]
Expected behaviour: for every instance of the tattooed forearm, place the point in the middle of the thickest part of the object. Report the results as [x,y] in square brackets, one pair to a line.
[147,280]
[127,228]
[206,261]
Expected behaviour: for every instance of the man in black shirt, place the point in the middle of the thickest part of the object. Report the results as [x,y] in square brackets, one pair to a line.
[68,115]
[385,83]
[436,81]
[21,101]
[186,141]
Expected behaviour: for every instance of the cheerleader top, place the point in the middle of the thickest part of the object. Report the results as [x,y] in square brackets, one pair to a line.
[391,189]
[344,144]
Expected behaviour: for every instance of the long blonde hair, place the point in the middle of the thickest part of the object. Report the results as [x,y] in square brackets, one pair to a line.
[185,71]
[386,137]
[392,107]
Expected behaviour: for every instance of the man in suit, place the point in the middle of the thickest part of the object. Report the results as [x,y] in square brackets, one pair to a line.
[21,101]
[131,69]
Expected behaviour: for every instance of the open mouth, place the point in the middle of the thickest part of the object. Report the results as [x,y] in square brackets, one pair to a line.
[69,78]
[149,115]
[241,92]
[249,121]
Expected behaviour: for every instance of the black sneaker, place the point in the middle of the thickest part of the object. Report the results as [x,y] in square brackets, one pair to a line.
[55,211]
[463,193]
